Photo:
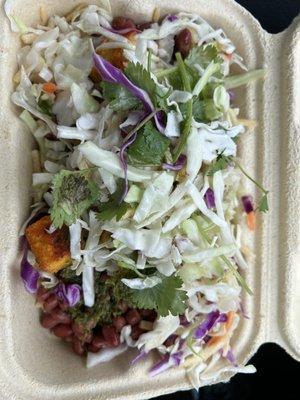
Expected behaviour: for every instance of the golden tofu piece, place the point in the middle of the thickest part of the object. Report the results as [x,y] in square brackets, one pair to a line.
[51,250]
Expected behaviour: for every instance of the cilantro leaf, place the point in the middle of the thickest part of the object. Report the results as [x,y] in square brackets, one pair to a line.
[187,123]
[142,78]
[203,110]
[203,55]
[73,193]
[119,98]
[263,204]
[112,208]
[221,162]
[138,75]
[149,147]
[164,297]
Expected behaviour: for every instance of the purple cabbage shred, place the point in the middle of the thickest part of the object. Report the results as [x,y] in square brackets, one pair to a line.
[29,274]
[209,198]
[248,204]
[172,18]
[68,292]
[111,74]
[142,354]
[177,166]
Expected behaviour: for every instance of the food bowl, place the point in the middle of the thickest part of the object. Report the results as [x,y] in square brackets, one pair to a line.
[33,364]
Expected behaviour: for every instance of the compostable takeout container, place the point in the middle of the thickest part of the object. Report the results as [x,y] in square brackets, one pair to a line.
[33,365]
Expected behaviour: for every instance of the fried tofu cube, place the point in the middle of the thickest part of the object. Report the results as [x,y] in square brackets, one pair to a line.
[51,250]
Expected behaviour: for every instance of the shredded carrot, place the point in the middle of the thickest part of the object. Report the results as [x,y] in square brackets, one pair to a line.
[228,323]
[49,87]
[251,220]
[230,317]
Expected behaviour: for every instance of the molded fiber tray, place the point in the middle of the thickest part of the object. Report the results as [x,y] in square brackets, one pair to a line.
[33,365]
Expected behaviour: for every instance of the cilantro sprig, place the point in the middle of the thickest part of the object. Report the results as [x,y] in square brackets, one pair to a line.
[149,147]
[189,109]
[164,298]
[118,98]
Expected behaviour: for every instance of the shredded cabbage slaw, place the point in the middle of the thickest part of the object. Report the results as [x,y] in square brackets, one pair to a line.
[156,140]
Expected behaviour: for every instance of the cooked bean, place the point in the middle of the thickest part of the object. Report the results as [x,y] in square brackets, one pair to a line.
[144,25]
[93,348]
[136,332]
[51,136]
[77,347]
[145,313]
[50,303]
[77,329]
[119,322]
[42,294]
[62,330]
[184,42]
[122,23]
[146,325]
[48,322]
[99,342]
[111,336]
[61,316]
[133,317]
[63,305]
[105,236]
[151,316]
[170,341]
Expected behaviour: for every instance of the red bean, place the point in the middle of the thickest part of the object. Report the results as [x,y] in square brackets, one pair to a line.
[51,136]
[77,329]
[170,341]
[61,316]
[99,342]
[105,237]
[42,294]
[77,347]
[50,303]
[93,348]
[151,316]
[48,322]
[119,322]
[136,332]
[62,330]
[133,317]
[63,305]
[111,336]
[145,313]
[184,42]
[122,23]
[144,25]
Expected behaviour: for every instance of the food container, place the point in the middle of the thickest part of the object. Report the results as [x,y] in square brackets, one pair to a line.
[33,364]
